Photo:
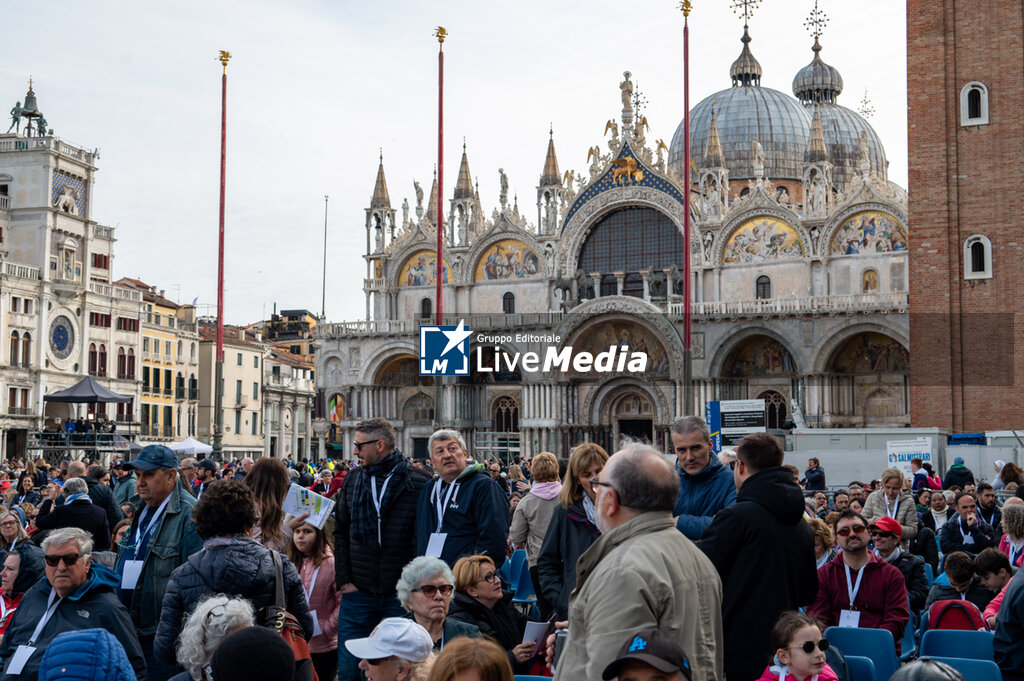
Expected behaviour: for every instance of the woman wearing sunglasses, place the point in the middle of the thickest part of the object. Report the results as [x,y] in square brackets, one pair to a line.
[425,590]
[799,651]
[479,601]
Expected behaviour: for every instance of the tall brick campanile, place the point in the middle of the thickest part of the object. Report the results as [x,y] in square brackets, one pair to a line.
[965,90]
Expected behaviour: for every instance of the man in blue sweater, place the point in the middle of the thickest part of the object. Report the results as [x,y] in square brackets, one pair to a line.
[705,485]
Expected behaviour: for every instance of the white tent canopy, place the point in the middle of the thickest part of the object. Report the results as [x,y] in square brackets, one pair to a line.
[191,445]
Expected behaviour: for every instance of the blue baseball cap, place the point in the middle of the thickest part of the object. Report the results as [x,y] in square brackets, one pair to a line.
[152,457]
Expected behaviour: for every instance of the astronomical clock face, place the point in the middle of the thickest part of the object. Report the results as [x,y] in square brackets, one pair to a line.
[62,337]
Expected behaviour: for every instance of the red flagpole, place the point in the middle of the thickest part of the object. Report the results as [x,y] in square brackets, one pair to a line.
[687,267]
[218,416]
[440,34]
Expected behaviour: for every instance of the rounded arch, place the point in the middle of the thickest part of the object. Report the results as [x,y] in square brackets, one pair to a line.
[418,268]
[608,393]
[382,354]
[418,409]
[721,350]
[821,359]
[744,217]
[868,352]
[400,370]
[761,237]
[974,103]
[486,247]
[847,222]
[757,356]
[631,239]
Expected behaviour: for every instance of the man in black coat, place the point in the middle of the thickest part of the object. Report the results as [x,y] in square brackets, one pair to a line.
[763,551]
[79,511]
[375,519]
[102,495]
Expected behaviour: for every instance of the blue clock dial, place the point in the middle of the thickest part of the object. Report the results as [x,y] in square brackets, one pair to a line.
[62,337]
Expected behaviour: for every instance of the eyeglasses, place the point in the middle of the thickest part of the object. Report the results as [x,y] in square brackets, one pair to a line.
[68,558]
[430,590]
[10,523]
[489,577]
[359,445]
[809,646]
[855,529]
[884,535]
[374,663]
[595,481]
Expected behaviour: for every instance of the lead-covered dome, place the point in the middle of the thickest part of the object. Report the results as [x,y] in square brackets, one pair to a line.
[818,81]
[842,129]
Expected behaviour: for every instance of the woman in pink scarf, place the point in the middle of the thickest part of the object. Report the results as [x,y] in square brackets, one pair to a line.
[533,514]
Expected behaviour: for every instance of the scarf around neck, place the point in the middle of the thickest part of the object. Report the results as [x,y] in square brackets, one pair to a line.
[364,512]
[547,490]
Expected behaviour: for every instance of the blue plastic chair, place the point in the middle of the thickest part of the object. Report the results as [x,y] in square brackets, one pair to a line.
[929,573]
[876,644]
[908,644]
[861,668]
[517,564]
[525,592]
[970,645]
[974,670]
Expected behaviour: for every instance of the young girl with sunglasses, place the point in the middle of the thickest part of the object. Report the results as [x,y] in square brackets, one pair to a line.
[311,553]
[799,651]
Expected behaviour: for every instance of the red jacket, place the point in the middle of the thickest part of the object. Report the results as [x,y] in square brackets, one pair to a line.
[881,599]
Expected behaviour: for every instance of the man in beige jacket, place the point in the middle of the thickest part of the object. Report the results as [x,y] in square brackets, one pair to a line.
[641,573]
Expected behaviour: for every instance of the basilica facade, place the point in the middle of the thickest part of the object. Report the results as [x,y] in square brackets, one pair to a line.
[798,280]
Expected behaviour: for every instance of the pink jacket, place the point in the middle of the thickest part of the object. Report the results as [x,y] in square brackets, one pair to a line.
[1004,546]
[324,600]
[826,675]
[992,609]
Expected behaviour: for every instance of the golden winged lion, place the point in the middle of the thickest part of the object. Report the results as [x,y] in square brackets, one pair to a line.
[626,170]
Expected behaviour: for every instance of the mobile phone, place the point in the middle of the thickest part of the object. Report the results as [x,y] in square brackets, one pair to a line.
[560,637]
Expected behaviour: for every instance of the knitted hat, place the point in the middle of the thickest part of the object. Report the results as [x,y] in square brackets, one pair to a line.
[253,654]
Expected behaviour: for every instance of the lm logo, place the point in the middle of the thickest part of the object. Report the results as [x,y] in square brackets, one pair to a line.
[444,350]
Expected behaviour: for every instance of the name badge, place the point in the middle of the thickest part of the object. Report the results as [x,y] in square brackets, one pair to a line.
[316,623]
[849,618]
[18,659]
[436,544]
[131,574]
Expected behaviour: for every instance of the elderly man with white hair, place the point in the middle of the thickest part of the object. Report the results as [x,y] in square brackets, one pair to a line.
[76,594]
[641,573]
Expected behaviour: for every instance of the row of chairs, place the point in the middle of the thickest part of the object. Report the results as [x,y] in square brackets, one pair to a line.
[516,572]
[871,653]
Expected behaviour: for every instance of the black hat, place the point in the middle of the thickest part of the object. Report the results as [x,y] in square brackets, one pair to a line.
[652,647]
[252,654]
[208,464]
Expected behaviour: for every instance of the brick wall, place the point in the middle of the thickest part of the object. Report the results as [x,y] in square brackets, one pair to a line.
[965,373]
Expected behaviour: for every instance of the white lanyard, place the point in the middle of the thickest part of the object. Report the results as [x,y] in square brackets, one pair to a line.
[960,525]
[442,505]
[1015,551]
[377,501]
[892,513]
[4,610]
[853,589]
[139,534]
[51,606]
[312,583]
[13,544]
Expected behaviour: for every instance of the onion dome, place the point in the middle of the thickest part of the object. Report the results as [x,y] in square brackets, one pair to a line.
[745,70]
[817,82]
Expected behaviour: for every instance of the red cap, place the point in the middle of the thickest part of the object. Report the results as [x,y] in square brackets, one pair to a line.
[887,525]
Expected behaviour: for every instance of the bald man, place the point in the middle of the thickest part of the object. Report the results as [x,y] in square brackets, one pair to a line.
[102,495]
[641,573]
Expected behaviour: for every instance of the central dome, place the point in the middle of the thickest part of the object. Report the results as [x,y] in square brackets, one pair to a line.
[746,113]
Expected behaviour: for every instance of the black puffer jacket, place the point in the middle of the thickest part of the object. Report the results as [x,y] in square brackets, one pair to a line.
[764,553]
[569,535]
[240,568]
[503,622]
[375,568]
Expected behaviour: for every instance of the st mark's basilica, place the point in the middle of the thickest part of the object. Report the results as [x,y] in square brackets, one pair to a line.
[799,266]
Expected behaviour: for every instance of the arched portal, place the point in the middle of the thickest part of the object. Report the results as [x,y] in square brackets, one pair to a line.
[868,383]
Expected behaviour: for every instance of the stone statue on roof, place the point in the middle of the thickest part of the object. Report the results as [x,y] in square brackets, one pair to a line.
[626,86]
[419,195]
[16,117]
[40,126]
[503,195]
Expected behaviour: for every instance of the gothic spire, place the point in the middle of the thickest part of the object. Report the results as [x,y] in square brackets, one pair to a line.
[550,175]
[432,202]
[380,197]
[464,185]
[816,151]
[713,156]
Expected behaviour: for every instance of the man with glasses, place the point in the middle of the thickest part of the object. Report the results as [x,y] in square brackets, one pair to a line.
[887,534]
[641,573]
[764,553]
[188,474]
[375,519]
[161,537]
[462,512]
[494,470]
[966,531]
[76,594]
[857,588]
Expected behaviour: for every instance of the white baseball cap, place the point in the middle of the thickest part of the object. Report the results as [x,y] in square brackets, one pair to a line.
[394,636]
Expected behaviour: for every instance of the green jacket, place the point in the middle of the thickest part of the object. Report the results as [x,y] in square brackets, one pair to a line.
[124,489]
[173,542]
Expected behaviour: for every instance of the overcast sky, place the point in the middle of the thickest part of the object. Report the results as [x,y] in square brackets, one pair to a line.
[316,88]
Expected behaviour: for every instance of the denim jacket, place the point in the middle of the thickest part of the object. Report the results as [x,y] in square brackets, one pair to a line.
[175,540]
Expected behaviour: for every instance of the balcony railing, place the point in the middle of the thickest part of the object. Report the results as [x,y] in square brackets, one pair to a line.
[860,302]
[168,431]
[118,292]
[13,269]
[99,373]
[145,389]
[168,392]
[179,393]
[104,232]
[5,202]
[193,395]
[20,411]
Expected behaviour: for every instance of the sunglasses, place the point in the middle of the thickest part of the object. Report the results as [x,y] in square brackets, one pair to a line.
[809,646]
[430,590]
[374,663]
[884,535]
[68,558]
[855,529]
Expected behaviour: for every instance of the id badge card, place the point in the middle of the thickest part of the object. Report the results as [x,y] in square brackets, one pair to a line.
[849,618]
[316,623]
[131,574]
[18,659]
[436,544]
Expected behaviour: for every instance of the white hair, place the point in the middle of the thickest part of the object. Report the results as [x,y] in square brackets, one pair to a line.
[66,534]
[76,486]
[209,623]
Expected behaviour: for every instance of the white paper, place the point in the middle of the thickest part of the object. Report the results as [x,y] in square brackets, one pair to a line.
[130,575]
[849,618]
[436,544]
[18,660]
[300,500]
[316,623]
[536,632]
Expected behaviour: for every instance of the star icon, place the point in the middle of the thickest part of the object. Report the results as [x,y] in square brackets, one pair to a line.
[456,336]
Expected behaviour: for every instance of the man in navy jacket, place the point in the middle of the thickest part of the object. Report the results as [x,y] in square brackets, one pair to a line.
[705,485]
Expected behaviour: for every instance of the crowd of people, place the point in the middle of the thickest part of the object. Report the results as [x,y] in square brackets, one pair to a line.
[645,565]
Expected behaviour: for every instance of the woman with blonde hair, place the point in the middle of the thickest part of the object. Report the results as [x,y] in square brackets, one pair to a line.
[893,501]
[572,529]
[517,481]
[12,532]
[532,516]
[824,541]
[471,658]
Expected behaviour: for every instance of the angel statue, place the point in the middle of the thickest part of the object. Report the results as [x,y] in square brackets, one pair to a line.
[419,195]
[614,127]
[503,195]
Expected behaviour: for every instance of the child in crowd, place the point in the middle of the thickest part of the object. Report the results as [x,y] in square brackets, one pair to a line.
[310,551]
[800,651]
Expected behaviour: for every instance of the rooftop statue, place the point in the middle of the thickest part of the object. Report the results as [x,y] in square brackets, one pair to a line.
[16,117]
